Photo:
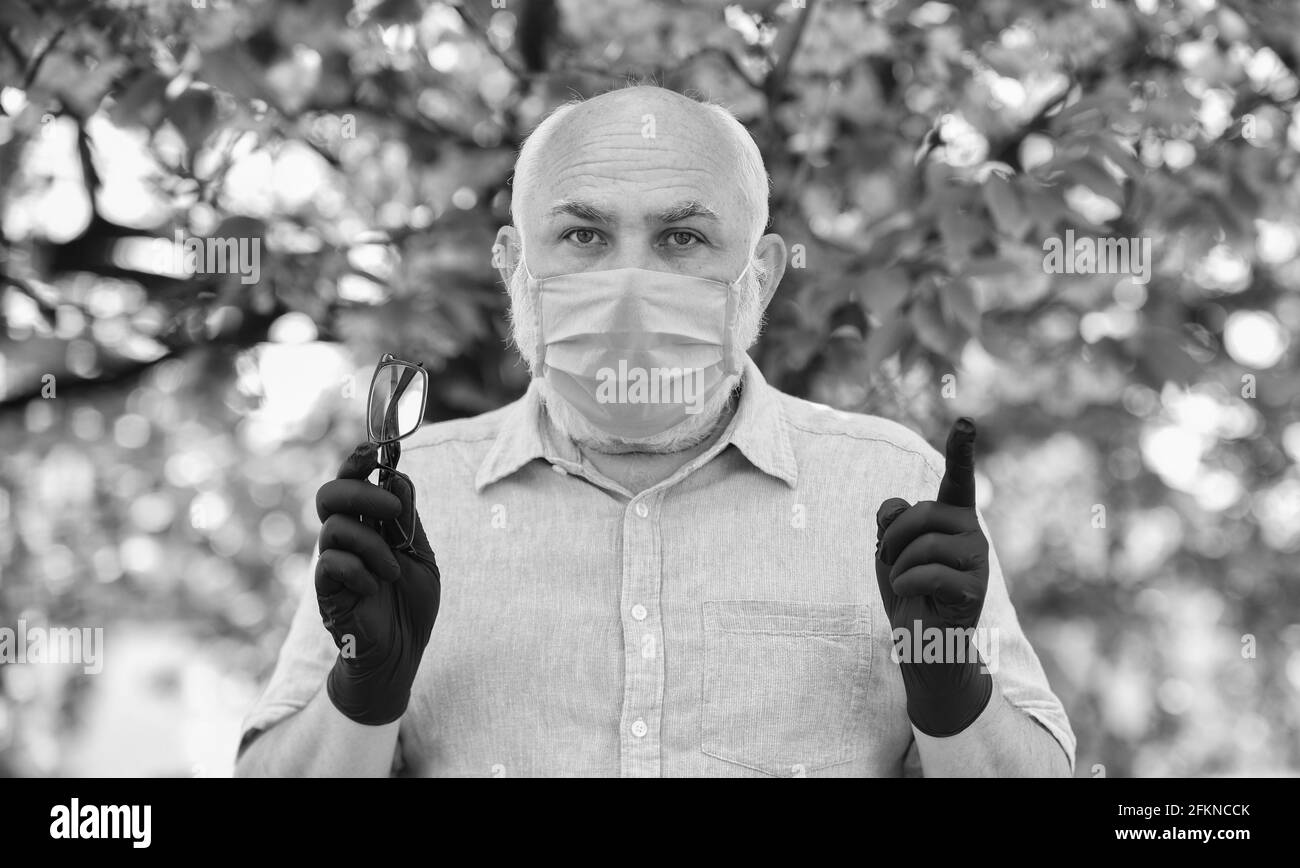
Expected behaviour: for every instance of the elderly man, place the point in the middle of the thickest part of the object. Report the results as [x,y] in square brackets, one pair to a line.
[654,563]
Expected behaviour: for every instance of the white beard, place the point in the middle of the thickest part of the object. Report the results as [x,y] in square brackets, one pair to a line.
[694,430]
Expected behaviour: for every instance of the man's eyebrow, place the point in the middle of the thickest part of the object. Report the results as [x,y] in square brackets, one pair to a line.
[687,210]
[672,214]
[581,210]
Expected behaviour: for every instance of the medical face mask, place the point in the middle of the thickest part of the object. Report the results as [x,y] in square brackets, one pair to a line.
[636,352]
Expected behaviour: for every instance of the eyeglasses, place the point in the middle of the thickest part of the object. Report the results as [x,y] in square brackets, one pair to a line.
[399,391]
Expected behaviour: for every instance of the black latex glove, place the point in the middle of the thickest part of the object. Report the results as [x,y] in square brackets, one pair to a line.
[932,566]
[379,604]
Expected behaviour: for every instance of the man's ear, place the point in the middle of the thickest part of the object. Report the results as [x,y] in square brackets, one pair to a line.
[771,251]
[506,251]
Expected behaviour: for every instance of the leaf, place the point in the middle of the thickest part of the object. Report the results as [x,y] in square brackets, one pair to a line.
[1106,145]
[884,290]
[849,319]
[1008,62]
[992,267]
[887,339]
[960,231]
[141,103]
[1012,281]
[194,113]
[914,355]
[233,70]
[1045,206]
[77,82]
[1235,211]
[932,329]
[17,16]
[1108,105]
[395,12]
[47,312]
[1086,109]
[1096,178]
[957,297]
[240,226]
[1004,205]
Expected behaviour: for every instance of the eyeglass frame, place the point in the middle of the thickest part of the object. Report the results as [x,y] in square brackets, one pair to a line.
[388,360]
[388,471]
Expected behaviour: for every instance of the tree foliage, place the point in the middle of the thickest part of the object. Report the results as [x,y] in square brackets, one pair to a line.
[1139,439]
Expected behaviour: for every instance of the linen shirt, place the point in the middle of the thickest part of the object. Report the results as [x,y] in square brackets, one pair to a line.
[724,622]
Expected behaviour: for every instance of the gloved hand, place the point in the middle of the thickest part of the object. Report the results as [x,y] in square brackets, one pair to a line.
[378,604]
[932,567]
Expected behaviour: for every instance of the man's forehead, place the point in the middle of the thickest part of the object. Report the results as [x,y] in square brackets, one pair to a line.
[638,157]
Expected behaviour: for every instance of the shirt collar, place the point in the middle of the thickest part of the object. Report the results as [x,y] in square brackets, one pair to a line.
[758,430]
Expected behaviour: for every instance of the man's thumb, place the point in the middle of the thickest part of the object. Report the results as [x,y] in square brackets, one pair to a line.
[885,516]
[889,510]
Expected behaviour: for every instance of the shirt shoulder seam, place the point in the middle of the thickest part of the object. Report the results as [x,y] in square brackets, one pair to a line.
[865,437]
[444,440]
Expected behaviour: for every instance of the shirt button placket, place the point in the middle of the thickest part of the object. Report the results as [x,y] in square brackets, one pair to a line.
[642,641]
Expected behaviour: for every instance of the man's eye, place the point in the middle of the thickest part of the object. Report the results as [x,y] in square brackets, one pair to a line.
[582,236]
[683,238]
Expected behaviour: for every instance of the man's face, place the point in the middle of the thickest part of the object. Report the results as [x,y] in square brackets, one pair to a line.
[639,179]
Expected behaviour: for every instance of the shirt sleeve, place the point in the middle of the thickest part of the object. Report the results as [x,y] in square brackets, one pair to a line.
[1003,645]
[305,659]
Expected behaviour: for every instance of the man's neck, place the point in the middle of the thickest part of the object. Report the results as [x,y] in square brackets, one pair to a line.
[637,471]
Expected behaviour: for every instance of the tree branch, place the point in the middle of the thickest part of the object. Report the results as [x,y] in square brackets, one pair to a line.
[82,385]
[774,84]
[30,75]
[477,29]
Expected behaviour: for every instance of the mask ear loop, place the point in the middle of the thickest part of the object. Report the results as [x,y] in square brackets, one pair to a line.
[731,349]
[533,287]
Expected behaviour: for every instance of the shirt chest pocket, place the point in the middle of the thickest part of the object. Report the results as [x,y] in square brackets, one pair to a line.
[784,683]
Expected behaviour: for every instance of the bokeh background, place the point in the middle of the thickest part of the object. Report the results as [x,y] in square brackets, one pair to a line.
[163,435]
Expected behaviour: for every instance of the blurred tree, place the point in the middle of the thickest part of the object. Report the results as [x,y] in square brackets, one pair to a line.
[1141,437]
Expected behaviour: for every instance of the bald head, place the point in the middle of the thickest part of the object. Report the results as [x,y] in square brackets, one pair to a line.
[643,158]
[647,116]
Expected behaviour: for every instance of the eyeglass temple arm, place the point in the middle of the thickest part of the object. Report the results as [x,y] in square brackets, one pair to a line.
[390,415]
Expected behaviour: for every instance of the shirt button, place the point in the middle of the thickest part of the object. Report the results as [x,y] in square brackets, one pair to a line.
[639,729]
[638,612]
[642,510]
